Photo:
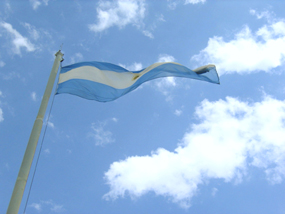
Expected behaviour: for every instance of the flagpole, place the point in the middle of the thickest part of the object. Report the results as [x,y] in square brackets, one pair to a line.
[22,178]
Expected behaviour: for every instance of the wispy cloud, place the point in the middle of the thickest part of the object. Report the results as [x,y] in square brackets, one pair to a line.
[2,64]
[34,96]
[119,13]
[232,137]
[48,205]
[248,51]
[36,3]
[99,133]
[34,33]
[1,115]
[18,41]
[77,57]
[173,3]
[1,112]
[178,112]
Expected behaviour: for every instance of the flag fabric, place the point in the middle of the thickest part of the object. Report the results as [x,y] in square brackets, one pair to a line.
[105,82]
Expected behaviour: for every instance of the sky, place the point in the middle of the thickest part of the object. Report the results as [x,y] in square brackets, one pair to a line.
[174,145]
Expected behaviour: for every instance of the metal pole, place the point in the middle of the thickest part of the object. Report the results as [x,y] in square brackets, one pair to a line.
[22,178]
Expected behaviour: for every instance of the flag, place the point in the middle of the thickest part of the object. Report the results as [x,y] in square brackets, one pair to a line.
[105,82]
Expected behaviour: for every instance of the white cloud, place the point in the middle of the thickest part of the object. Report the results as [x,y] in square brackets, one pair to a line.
[178,112]
[133,67]
[38,207]
[214,191]
[48,205]
[34,96]
[118,13]
[173,3]
[232,137]
[1,115]
[165,58]
[32,31]
[51,125]
[18,41]
[163,84]
[76,58]
[260,15]
[115,119]
[194,1]
[248,51]
[100,135]
[2,64]
[1,112]
[36,3]
[148,34]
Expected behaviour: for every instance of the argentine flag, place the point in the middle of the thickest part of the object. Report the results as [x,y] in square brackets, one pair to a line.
[105,82]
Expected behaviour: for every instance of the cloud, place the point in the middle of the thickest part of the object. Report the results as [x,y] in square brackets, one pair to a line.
[118,13]
[248,51]
[231,138]
[260,15]
[1,115]
[18,41]
[1,112]
[178,112]
[173,3]
[100,135]
[36,3]
[36,206]
[148,34]
[48,205]
[50,124]
[214,191]
[76,58]
[34,96]
[164,84]
[194,1]
[32,31]
[2,64]
[133,67]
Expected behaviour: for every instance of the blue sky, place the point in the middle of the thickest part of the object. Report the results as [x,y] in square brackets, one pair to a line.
[173,145]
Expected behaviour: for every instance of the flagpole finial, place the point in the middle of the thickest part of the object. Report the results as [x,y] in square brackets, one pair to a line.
[59,53]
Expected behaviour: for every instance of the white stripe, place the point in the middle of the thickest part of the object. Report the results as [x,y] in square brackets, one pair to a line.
[111,78]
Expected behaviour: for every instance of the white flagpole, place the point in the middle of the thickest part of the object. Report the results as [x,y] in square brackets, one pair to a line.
[22,178]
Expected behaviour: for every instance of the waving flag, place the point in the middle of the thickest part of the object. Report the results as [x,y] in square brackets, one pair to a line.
[105,82]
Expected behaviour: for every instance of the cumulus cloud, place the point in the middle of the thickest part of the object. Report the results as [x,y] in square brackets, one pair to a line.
[231,138]
[100,134]
[118,13]
[249,51]
[18,41]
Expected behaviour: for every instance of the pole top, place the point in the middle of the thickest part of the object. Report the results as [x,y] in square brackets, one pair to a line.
[60,55]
